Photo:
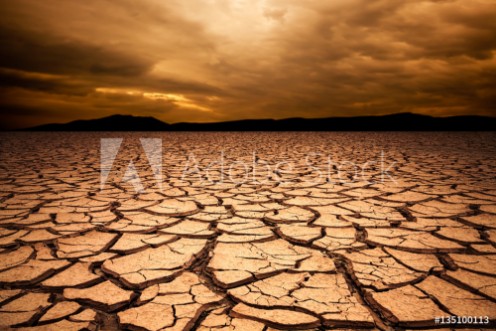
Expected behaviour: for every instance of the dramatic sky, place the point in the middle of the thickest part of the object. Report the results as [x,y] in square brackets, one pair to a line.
[214,60]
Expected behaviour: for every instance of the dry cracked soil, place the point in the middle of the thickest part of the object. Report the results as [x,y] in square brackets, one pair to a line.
[248,231]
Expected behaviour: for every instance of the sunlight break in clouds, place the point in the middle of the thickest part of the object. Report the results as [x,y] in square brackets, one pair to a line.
[177,99]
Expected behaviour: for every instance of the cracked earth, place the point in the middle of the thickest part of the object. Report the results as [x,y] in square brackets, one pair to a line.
[214,249]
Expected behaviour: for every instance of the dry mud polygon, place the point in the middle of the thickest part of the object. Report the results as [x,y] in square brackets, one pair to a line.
[377,231]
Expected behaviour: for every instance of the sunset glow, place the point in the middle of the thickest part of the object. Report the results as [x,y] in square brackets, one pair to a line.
[217,60]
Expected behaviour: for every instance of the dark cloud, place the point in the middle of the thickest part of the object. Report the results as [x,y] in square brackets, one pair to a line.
[39,52]
[222,60]
[48,83]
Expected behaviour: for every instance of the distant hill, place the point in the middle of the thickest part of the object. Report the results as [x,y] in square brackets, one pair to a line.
[110,123]
[395,122]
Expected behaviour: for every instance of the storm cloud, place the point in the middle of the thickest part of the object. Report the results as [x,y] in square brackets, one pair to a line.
[215,60]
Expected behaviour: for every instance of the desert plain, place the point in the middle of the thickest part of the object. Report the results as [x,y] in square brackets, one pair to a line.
[247,231]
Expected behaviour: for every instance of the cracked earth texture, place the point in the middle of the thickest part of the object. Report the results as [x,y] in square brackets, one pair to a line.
[297,251]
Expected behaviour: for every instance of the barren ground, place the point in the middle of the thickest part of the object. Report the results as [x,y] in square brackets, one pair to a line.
[311,243]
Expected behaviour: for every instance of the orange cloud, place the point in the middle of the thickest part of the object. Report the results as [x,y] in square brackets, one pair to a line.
[225,60]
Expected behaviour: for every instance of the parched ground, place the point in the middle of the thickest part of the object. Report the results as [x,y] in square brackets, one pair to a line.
[313,231]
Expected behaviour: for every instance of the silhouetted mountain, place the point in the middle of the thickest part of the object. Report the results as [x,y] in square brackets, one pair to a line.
[110,123]
[395,122]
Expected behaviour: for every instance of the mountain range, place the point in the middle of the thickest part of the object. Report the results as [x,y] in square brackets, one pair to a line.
[395,122]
